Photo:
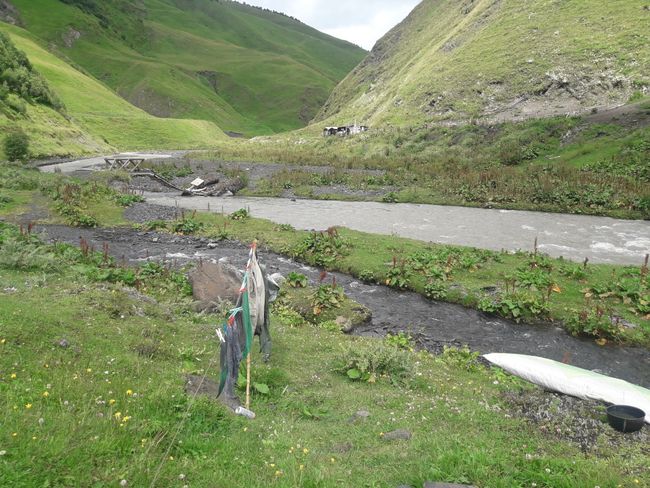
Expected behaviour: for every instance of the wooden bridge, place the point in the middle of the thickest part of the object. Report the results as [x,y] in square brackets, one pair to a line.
[125,163]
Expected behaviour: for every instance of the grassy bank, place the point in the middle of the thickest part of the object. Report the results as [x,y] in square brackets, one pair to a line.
[92,374]
[597,164]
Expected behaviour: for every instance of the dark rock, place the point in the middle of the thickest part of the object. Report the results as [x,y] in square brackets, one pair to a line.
[398,435]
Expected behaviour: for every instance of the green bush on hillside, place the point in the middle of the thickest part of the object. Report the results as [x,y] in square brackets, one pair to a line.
[18,78]
[16,145]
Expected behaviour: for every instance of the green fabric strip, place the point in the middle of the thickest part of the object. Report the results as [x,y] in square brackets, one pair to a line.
[246,319]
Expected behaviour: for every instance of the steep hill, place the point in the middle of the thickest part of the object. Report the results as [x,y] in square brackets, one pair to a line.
[451,61]
[92,117]
[246,69]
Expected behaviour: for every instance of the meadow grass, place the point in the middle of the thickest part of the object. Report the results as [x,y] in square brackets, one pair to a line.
[92,381]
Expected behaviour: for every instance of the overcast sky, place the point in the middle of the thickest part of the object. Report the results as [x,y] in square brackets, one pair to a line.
[362,22]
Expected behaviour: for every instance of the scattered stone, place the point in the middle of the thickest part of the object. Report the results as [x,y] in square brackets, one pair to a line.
[70,37]
[398,435]
[363,414]
[63,343]
[345,324]
[360,416]
[213,245]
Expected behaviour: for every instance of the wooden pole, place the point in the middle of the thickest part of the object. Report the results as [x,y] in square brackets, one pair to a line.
[248,382]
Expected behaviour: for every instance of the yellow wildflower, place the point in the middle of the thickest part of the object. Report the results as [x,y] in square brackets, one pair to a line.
[14,434]
[301,467]
[89,370]
[129,392]
[278,473]
[28,406]
[118,415]
[305,450]
[2,341]
[111,401]
[126,419]
[46,394]
[13,376]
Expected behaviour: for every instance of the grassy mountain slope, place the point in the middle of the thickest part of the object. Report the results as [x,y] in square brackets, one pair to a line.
[28,103]
[500,60]
[98,117]
[246,69]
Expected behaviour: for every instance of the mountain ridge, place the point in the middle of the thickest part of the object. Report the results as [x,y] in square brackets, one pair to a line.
[498,60]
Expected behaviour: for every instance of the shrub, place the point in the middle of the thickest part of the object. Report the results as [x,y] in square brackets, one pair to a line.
[127,199]
[594,323]
[517,306]
[322,248]
[326,297]
[5,200]
[23,253]
[435,290]
[241,214]
[463,358]
[401,340]
[368,361]
[16,145]
[187,226]
[297,280]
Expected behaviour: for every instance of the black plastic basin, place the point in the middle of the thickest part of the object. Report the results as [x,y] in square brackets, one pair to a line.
[625,418]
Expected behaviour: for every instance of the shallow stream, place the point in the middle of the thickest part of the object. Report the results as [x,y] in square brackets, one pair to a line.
[432,324]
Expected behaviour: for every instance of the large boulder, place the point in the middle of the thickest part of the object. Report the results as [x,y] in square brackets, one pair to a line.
[215,283]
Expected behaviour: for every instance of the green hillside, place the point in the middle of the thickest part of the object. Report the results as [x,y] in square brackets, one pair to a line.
[497,60]
[28,104]
[95,117]
[246,69]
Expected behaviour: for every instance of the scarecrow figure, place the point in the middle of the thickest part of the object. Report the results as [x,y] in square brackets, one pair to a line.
[250,317]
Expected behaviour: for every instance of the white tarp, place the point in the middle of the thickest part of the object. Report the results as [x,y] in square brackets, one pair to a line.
[573,381]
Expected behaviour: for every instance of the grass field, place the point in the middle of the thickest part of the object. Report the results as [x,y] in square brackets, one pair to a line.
[102,114]
[244,69]
[92,380]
